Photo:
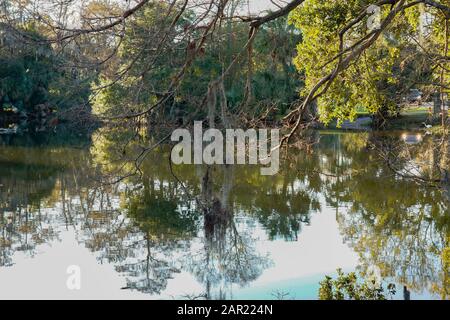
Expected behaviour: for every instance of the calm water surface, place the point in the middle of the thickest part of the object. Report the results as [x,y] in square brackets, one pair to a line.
[224,232]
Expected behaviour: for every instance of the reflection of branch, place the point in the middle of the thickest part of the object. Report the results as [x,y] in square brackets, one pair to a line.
[387,156]
[186,191]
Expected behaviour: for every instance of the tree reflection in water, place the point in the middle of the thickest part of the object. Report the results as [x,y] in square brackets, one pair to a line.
[152,226]
[227,255]
[402,225]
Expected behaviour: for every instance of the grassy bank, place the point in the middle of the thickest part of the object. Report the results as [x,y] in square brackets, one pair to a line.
[410,119]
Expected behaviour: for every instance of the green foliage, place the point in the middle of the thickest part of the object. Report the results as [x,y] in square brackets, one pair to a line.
[390,230]
[275,79]
[378,79]
[446,266]
[148,76]
[348,287]
[24,74]
[30,74]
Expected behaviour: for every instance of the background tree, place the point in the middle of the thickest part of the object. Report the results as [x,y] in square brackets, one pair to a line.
[380,77]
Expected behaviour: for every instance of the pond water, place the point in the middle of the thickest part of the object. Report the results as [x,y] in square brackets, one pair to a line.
[218,232]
